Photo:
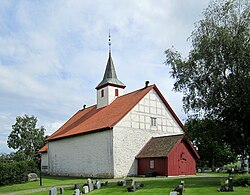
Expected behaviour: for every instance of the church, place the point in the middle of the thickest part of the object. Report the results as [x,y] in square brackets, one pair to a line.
[136,133]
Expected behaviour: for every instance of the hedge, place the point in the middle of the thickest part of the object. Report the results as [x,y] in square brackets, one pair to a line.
[16,172]
[242,180]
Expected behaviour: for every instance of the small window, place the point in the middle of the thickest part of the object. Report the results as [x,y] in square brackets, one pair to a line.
[152,164]
[102,93]
[182,157]
[153,121]
[116,92]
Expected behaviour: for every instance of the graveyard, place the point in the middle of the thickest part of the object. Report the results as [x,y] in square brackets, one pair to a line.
[200,184]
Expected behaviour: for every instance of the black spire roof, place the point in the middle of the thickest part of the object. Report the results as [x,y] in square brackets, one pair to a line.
[110,76]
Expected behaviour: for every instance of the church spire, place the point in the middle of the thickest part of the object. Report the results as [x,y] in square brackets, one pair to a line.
[110,77]
[110,87]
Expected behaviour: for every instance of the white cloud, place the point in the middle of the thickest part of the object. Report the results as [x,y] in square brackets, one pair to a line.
[53,53]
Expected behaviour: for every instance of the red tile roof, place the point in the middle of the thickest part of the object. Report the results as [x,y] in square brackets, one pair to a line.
[44,149]
[91,119]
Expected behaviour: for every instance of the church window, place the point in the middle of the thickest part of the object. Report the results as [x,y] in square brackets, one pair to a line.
[116,92]
[152,164]
[102,93]
[153,121]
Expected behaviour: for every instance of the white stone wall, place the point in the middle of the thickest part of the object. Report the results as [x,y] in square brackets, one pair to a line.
[109,95]
[135,129]
[82,155]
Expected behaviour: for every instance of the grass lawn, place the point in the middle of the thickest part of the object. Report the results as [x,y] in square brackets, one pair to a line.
[47,182]
[193,186]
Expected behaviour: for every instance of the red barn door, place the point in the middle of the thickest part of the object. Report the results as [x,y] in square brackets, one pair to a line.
[182,167]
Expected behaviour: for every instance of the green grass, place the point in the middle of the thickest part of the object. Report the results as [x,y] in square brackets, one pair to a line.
[193,186]
[48,181]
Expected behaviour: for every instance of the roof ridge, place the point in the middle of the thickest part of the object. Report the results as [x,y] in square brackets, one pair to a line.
[150,86]
[169,135]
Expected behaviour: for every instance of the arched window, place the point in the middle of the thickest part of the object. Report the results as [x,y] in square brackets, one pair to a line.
[116,92]
[102,93]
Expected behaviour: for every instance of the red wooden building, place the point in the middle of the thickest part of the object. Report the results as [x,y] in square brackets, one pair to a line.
[167,156]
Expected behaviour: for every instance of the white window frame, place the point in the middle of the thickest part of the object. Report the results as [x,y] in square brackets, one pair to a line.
[151,164]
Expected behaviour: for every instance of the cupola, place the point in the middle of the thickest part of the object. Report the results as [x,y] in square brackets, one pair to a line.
[110,87]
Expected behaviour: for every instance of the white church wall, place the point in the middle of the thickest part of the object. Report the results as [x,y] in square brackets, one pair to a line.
[135,130]
[82,155]
[109,95]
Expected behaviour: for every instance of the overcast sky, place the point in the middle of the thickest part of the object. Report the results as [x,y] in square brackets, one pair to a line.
[53,53]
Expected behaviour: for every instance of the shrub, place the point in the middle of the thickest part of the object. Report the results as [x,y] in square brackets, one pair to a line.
[242,180]
[16,172]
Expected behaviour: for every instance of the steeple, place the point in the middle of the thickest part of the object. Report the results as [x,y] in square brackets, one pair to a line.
[110,87]
[110,76]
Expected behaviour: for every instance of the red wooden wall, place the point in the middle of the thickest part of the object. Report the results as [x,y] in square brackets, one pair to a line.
[160,166]
[181,161]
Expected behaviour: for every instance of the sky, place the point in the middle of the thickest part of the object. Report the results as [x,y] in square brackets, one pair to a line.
[53,53]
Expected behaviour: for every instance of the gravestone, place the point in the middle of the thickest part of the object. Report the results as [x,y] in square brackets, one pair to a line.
[179,189]
[61,190]
[32,177]
[97,184]
[76,186]
[133,185]
[182,183]
[105,183]
[124,181]
[85,189]
[76,192]
[230,184]
[91,185]
[53,191]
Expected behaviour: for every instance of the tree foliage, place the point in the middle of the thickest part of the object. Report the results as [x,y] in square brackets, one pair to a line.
[16,172]
[215,77]
[207,135]
[25,137]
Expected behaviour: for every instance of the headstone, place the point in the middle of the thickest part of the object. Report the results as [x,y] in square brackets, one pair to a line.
[182,183]
[133,185]
[230,184]
[91,185]
[76,192]
[85,189]
[124,183]
[97,184]
[61,190]
[180,189]
[173,193]
[76,186]
[53,191]
[104,184]
[32,177]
